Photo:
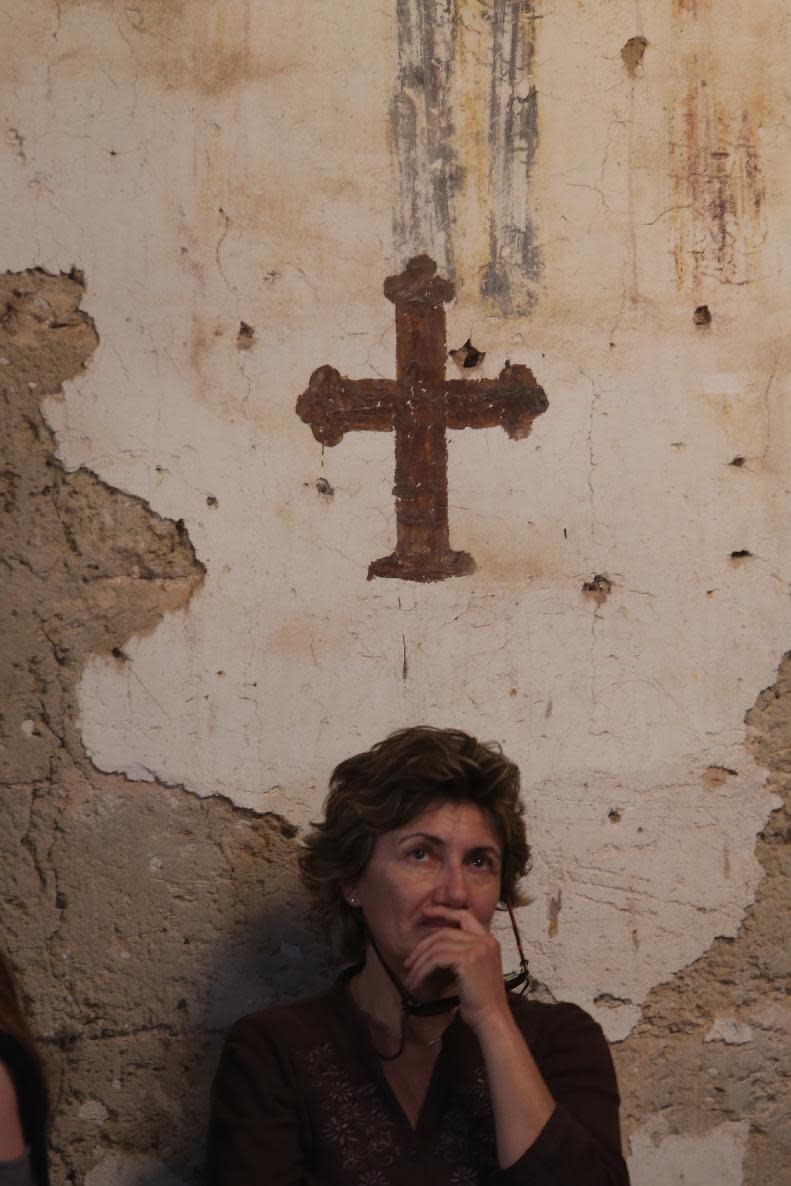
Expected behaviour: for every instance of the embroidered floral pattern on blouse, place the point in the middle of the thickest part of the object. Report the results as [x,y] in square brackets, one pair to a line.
[359,1134]
[355,1124]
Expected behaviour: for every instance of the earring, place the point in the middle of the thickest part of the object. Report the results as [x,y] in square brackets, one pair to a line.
[352,901]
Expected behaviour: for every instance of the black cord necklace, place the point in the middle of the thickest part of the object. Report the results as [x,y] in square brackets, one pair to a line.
[412,1008]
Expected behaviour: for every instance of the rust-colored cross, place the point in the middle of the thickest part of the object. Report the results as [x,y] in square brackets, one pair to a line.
[419,405]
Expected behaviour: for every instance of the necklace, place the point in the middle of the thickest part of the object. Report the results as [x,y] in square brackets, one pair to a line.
[374,1023]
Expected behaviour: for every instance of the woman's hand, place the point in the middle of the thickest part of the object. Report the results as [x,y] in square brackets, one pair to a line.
[467,949]
[521,1100]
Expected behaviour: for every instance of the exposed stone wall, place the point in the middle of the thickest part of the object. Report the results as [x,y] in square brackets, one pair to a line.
[142,920]
[711,1058]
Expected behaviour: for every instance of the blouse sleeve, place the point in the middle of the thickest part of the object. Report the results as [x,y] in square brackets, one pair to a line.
[18,1172]
[580,1145]
[254,1128]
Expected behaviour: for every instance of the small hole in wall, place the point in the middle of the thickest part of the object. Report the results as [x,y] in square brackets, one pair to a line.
[614,815]
[245,337]
[324,488]
[741,554]
[117,653]
[598,588]
[211,501]
[702,316]
[738,461]
[466,356]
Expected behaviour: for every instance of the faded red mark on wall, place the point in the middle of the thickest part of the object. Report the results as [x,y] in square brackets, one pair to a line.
[718,184]
[418,406]
[718,176]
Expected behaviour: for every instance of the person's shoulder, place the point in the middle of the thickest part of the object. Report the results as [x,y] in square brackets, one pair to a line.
[287,1019]
[551,1017]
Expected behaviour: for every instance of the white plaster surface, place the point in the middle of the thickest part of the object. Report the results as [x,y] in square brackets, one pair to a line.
[730,1031]
[202,172]
[94,1111]
[703,1159]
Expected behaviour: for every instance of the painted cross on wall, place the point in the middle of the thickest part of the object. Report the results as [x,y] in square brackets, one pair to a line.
[418,406]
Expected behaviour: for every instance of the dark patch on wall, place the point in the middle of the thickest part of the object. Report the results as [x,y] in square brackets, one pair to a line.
[418,407]
[554,907]
[717,776]
[702,316]
[466,356]
[514,263]
[694,1084]
[422,129]
[598,588]
[633,53]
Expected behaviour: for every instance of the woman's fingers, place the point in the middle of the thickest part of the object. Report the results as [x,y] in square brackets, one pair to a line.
[474,960]
[463,920]
[437,936]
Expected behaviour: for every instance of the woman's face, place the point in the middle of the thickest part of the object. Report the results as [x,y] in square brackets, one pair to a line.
[449,856]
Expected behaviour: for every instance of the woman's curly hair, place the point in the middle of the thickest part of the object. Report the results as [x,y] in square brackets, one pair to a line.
[386,787]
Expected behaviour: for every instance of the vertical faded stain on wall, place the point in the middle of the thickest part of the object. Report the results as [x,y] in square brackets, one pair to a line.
[421,117]
[514,259]
[718,184]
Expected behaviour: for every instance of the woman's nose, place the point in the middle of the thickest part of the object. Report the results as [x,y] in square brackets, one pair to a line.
[452,887]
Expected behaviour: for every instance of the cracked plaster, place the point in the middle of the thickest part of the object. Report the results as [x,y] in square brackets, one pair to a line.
[617,712]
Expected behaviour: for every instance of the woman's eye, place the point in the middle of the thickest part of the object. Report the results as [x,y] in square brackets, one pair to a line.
[419,853]
[480,861]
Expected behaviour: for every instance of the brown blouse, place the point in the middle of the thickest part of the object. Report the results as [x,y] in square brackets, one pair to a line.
[299,1099]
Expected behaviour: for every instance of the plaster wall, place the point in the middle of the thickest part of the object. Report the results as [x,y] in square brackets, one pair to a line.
[194,640]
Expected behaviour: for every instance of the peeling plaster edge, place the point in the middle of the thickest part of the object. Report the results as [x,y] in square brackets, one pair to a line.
[78,277]
[135,774]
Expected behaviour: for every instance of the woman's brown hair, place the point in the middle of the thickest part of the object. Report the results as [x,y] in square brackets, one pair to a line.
[386,787]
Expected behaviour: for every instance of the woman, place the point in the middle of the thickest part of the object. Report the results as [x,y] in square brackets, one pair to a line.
[419,1065]
[23,1097]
